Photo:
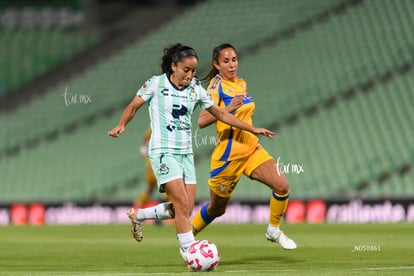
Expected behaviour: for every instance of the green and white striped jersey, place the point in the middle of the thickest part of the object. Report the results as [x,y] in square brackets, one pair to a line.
[170,111]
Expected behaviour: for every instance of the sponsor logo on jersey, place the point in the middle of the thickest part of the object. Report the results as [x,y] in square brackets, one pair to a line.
[177,124]
[165,92]
[179,110]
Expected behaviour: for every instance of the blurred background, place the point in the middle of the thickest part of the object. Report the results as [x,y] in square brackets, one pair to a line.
[333,78]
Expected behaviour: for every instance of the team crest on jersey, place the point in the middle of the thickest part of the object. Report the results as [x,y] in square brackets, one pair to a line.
[222,188]
[193,95]
[164,169]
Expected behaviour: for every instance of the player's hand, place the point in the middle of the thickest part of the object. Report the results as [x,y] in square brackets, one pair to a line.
[116,131]
[264,132]
[236,102]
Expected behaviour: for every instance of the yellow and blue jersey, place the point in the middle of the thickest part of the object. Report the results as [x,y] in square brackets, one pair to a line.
[233,143]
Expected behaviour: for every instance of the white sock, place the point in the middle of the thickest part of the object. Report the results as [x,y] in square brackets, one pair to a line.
[159,212]
[186,239]
[272,229]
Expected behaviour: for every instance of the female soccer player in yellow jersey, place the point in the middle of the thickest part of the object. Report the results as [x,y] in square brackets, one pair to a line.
[238,152]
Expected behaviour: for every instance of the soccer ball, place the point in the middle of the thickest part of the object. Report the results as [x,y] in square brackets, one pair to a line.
[202,255]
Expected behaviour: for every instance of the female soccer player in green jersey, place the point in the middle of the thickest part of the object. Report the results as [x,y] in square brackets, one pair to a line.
[172,97]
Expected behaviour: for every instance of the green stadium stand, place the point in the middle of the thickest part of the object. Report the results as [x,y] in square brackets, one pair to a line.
[83,166]
[400,186]
[36,37]
[27,54]
[328,59]
[355,139]
[114,81]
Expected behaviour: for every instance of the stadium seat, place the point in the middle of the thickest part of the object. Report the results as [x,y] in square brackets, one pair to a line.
[341,58]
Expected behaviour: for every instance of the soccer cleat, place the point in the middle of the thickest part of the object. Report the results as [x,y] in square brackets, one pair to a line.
[282,239]
[136,229]
[183,254]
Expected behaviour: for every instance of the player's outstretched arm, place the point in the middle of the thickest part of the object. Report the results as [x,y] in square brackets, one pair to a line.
[127,115]
[230,119]
[205,118]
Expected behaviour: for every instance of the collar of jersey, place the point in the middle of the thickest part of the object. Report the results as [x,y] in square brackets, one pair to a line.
[175,87]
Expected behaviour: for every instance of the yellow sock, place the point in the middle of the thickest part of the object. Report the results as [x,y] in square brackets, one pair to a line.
[200,220]
[142,199]
[166,197]
[278,204]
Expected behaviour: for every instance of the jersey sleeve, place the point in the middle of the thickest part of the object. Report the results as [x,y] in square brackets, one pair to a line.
[205,99]
[146,92]
[212,90]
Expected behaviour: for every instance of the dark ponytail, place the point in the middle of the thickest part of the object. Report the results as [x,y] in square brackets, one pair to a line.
[215,57]
[174,54]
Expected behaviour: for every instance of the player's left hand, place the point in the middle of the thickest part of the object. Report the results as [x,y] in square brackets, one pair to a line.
[116,131]
[264,132]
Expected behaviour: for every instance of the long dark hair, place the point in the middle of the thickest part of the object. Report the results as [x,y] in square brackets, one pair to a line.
[215,57]
[175,53]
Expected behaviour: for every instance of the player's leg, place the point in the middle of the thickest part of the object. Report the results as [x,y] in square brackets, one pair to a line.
[209,211]
[184,234]
[161,211]
[187,164]
[267,174]
[166,169]
[223,180]
[144,196]
[181,199]
[262,167]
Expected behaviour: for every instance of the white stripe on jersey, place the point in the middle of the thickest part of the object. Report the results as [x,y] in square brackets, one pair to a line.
[170,111]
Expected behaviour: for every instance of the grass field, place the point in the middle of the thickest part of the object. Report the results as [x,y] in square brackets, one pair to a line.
[324,249]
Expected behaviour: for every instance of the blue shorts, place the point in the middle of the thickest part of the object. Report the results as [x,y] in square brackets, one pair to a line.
[168,167]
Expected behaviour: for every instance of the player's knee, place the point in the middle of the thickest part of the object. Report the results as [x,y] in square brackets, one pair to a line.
[282,188]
